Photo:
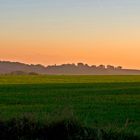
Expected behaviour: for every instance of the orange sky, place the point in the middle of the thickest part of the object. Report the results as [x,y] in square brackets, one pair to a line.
[71,52]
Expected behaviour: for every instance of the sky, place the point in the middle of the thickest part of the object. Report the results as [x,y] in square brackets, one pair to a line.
[70,31]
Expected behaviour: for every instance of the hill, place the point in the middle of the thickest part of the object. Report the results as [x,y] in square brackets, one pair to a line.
[7,67]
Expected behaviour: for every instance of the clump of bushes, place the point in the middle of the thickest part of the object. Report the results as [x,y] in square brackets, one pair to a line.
[28,129]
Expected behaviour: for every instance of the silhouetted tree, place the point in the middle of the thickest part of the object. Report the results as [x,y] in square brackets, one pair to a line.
[80,64]
[93,66]
[101,66]
[110,67]
[119,67]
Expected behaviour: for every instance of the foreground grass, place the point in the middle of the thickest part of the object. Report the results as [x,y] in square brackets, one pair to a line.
[27,129]
[105,102]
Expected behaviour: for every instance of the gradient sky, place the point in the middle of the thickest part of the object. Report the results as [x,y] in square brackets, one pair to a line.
[71,31]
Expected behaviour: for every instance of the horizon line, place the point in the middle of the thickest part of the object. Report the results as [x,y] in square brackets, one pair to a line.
[76,64]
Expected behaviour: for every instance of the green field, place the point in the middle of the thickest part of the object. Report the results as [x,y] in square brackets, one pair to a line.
[105,101]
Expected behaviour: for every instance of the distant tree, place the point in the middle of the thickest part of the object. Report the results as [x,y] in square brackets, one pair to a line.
[39,65]
[93,66]
[119,67]
[80,65]
[110,67]
[86,65]
[101,66]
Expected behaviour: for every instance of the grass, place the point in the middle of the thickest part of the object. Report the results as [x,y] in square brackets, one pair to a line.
[42,79]
[106,102]
[27,129]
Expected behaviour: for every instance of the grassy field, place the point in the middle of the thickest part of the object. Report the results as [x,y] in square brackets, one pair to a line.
[105,101]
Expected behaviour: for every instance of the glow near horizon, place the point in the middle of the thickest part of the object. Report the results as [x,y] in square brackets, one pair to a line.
[70,31]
